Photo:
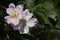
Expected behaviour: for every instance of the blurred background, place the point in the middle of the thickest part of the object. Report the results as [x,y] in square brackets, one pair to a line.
[47,13]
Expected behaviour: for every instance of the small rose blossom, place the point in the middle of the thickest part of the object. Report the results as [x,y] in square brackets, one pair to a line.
[15,14]
[26,22]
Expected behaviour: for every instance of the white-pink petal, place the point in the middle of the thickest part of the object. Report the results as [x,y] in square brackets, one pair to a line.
[27,15]
[11,5]
[7,19]
[31,22]
[24,30]
[15,21]
[11,20]
[26,11]
[9,11]
[16,27]
[20,7]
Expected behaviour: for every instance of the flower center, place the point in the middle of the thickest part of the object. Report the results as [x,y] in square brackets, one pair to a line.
[15,14]
[23,20]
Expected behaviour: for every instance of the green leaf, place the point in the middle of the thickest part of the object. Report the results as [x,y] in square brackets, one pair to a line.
[58,24]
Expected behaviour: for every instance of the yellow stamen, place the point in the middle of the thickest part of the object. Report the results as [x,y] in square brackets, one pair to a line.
[15,14]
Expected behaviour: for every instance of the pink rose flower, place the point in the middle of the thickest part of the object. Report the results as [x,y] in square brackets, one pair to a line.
[15,14]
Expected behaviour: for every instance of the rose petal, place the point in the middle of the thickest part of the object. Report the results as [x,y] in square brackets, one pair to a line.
[19,8]
[15,21]
[26,11]
[24,30]
[31,22]
[27,15]
[11,5]
[9,11]
[7,18]
[11,20]
[15,27]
